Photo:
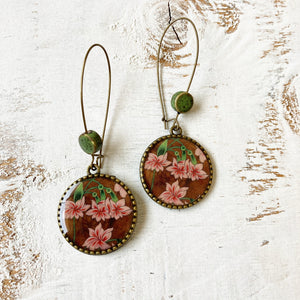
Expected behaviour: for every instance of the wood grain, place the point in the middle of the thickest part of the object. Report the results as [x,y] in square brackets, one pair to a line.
[242,240]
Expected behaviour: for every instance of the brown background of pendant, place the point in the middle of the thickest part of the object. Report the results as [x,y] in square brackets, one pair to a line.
[122,228]
[197,191]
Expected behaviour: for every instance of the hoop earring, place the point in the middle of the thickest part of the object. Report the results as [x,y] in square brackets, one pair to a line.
[97,213]
[175,170]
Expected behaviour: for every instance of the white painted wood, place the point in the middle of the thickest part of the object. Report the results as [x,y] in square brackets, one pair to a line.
[242,241]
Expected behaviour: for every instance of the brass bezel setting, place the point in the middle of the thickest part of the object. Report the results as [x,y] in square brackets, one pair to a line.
[129,233]
[146,187]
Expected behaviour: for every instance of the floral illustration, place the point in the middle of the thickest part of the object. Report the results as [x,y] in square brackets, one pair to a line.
[173,193]
[75,210]
[201,155]
[119,209]
[99,211]
[120,190]
[180,167]
[157,163]
[195,172]
[93,209]
[108,206]
[98,238]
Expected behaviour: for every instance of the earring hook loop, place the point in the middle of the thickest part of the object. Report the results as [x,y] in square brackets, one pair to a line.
[160,88]
[100,156]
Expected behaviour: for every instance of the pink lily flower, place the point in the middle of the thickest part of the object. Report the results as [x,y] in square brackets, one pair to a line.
[173,193]
[119,209]
[177,169]
[121,190]
[98,211]
[196,172]
[75,209]
[201,155]
[98,238]
[157,163]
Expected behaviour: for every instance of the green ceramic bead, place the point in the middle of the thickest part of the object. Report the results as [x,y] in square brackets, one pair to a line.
[182,101]
[90,142]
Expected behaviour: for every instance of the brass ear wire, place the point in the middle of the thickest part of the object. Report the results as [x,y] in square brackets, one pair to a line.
[90,141]
[175,127]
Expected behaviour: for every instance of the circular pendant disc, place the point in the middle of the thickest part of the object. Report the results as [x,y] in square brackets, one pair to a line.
[97,214]
[176,171]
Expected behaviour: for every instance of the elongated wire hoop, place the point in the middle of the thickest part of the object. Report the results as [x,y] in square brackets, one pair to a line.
[160,88]
[100,156]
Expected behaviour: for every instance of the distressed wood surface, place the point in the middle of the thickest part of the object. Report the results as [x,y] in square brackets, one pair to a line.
[242,240]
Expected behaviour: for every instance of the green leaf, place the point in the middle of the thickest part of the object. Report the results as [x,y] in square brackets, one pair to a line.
[102,195]
[177,156]
[113,196]
[183,150]
[193,159]
[78,194]
[162,149]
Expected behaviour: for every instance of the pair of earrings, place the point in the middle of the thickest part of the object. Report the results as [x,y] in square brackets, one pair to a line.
[97,213]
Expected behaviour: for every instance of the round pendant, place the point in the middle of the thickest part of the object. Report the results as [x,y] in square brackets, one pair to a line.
[176,171]
[97,214]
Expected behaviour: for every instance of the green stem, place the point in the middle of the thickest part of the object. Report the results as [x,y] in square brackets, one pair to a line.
[74,230]
[88,184]
[187,198]
[181,143]
[175,147]
[111,240]
[88,190]
[113,196]
[172,150]
[174,141]
[183,156]
[177,156]
[193,159]
[152,183]
[102,195]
